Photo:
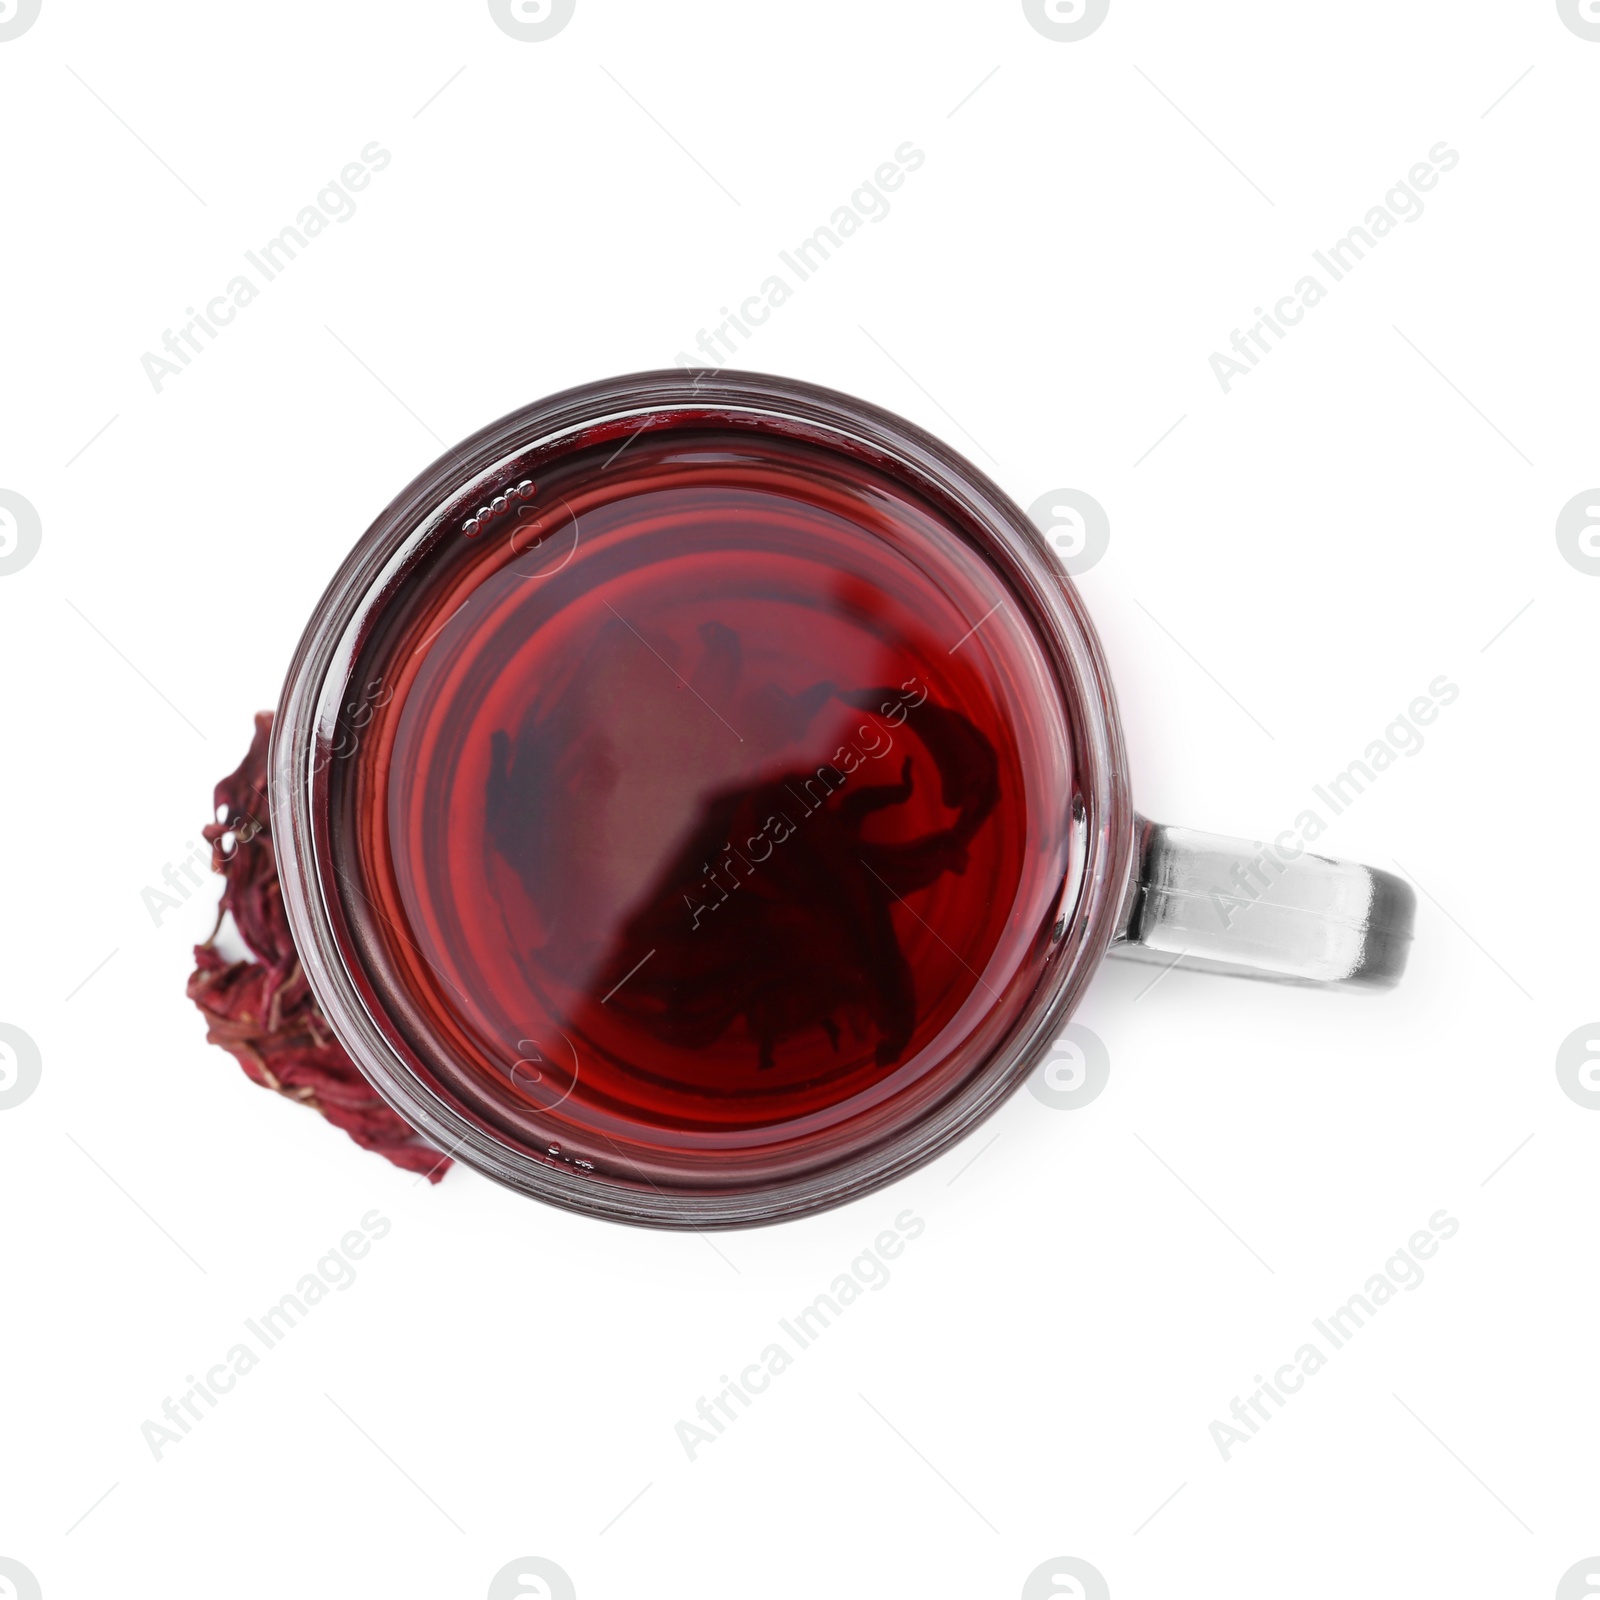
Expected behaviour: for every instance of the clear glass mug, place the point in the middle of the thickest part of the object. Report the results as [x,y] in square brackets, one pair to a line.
[632,618]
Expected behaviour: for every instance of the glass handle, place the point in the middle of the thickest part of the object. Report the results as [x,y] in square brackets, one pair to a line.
[1226,905]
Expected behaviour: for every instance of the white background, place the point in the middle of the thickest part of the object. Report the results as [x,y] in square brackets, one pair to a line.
[1365,512]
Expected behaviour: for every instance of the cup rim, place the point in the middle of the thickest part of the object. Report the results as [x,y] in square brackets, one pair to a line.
[431,507]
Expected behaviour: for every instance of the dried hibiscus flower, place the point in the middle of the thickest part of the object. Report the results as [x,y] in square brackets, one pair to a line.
[262,1011]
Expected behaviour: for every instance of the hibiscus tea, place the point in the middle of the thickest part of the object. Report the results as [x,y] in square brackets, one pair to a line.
[703,813]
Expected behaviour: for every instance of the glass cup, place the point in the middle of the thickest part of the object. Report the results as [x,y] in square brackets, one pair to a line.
[701,800]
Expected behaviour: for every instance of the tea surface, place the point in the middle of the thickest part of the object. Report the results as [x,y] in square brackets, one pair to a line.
[719,804]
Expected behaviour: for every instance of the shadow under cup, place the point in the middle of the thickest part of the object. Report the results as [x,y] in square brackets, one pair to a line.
[702,782]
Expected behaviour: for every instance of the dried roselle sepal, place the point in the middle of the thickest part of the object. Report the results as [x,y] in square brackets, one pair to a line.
[262,1011]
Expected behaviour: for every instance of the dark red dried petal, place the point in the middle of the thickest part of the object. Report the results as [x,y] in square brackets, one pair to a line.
[262,1011]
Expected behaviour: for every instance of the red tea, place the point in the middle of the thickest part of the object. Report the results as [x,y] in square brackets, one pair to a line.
[709,799]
